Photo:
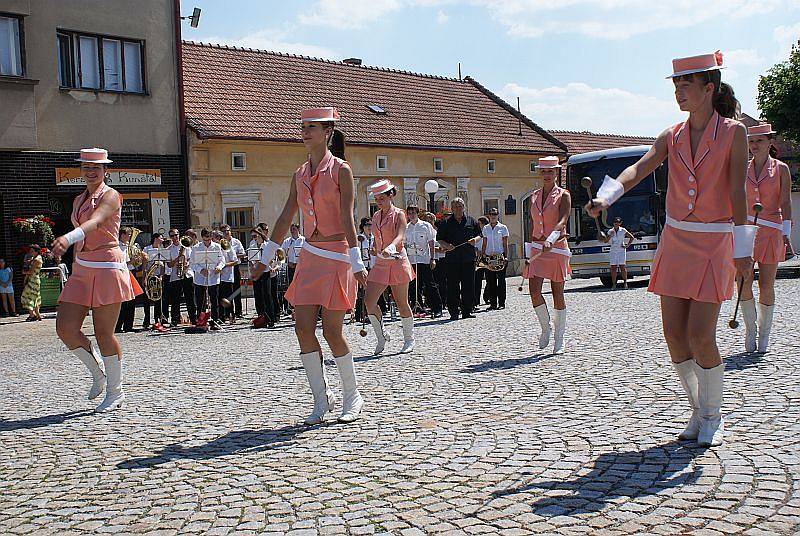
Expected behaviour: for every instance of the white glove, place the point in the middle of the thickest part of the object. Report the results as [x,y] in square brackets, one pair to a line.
[610,190]
[552,238]
[787,227]
[268,253]
[744,238]
[355,260]
[528,250]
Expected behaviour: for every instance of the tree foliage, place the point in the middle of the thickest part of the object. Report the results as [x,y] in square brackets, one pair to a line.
[779,96]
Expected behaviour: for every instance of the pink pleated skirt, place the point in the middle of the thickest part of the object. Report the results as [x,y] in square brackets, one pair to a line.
[770,247]
[550,266]
[324,282]
[694,266]
[391,271]
[95,287]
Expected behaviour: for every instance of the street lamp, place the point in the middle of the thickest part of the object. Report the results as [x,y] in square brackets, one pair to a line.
[431,187]
[194,18]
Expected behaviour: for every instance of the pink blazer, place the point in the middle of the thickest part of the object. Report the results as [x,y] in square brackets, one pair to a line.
[319,197]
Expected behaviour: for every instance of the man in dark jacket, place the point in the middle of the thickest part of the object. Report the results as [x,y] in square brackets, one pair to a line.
[457,236]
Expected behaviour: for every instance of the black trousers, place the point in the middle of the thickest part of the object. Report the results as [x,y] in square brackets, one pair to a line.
[460,287]
[156,305]
[273,293]
[126,314]
[213,299]
[290,270]
[479,275]
[262,294]
[237,282]
[496,287]
[427,288]
[225,290]
[182,288]
[440,276]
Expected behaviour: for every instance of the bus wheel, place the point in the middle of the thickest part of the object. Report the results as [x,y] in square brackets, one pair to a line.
[606,280]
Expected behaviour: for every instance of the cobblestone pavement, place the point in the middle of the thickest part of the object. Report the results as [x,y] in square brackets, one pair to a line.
[476,432]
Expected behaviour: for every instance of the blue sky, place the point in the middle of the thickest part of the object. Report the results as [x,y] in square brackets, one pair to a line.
[595,65]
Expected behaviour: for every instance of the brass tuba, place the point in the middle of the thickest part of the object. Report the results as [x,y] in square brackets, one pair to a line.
[153,286]
[135,253]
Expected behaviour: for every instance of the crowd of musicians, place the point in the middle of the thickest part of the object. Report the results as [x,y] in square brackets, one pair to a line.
[444,279]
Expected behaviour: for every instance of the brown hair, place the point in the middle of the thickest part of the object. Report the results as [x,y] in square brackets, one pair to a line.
[336,143]
[773,151]
[724,101]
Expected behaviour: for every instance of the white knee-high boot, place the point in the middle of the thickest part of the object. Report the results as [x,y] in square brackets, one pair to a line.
[686,372]
[749,316]
[93,364]
[710,393]
[544,322]
[351,398]
[560,324]
[377,325]
[114,394]
[408,334]
[323,396]
[764,326]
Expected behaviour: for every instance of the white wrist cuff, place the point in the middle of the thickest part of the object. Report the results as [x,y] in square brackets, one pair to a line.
[553,237]
[787,227]
[269,253]
[355,260]
[75,235]
[528,248]
[610,190]
[744,238]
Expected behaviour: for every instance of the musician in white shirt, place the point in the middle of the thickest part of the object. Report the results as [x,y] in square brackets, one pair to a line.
[155,254]
[480,273]
[617,252]
[419,243]
[180,255]
[226,277]
[291,246]
[207,274]
[495,242]
[238,248]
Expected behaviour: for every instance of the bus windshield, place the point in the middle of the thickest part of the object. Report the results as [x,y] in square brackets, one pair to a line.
[640,208]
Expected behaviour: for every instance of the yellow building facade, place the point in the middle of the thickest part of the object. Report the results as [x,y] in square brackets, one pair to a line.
[242,182]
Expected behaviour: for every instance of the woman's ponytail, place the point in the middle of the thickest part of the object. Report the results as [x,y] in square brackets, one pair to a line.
[337,144]
[724,101]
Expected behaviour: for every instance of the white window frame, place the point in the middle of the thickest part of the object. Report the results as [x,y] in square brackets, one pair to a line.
[378,163]
[74,67]
[495,193]
[438,165]
[491,165]
[244,162]
[14,45]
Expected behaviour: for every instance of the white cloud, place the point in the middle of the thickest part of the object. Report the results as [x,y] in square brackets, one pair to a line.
[441,17]
[785,37]
[578,106]
[275,41]
[348,14]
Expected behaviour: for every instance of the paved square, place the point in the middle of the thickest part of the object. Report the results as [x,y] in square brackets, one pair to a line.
[476,432]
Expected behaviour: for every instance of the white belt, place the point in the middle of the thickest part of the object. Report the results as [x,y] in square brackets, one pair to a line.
[700,227]
[102,264]
[557,251]
[766,223]
[400,255]
[324,253]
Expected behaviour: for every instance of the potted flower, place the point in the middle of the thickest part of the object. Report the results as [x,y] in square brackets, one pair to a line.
[35,229]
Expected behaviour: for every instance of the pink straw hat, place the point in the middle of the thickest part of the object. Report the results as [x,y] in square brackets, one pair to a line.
[548,162]
[764,129]
[94,156]
[696,64]
[320,114]
[381,187]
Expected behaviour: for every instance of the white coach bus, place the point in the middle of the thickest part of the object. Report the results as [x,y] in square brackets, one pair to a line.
[641,210]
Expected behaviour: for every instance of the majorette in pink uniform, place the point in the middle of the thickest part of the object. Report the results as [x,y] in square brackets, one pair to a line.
[100,274]
[388,271]
[695,255]
[545,213]
[323,276]
[766,189]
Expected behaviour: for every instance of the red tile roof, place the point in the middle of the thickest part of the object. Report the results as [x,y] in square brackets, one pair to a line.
[251,94]
[584,142]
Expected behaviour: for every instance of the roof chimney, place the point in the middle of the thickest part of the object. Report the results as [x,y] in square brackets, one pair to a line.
[352,61]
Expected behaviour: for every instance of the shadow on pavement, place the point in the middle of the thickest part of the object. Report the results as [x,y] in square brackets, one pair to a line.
[743,361]
[234,442]
[615,475]
[38,422]
[505,364]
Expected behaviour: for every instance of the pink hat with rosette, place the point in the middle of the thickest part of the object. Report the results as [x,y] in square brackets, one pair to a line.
[94,156]
[696,64]
[381,187]
[548,162]
[320,114]
[764,129]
